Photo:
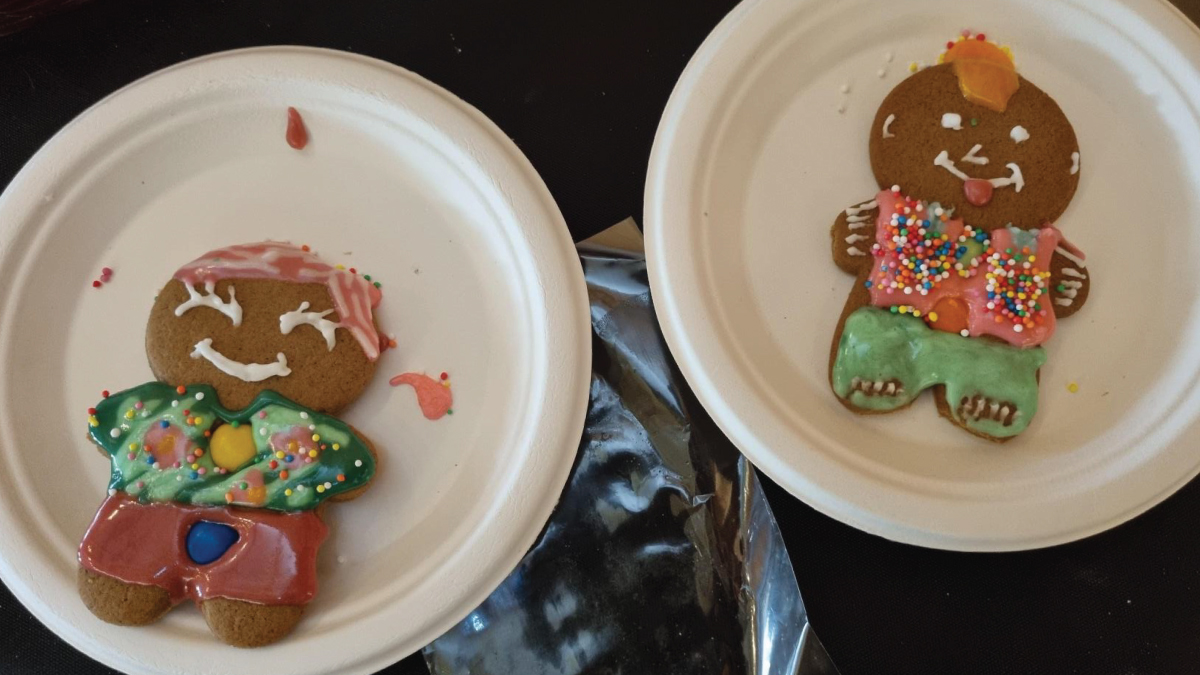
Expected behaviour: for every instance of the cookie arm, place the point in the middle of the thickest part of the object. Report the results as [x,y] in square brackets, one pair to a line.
[1070,281]
[852,234]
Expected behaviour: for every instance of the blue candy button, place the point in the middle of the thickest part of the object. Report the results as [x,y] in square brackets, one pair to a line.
[206,542]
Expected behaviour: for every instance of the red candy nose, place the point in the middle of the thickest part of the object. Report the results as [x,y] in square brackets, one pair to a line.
[978,191]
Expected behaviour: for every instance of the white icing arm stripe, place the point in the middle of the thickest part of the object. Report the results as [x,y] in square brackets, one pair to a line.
[230,309]
[1070,256]
[1069,272]
[865,206]
[854,238]
[247,372]
[1072,284]
[317,320]
[853,250]
[1065,302]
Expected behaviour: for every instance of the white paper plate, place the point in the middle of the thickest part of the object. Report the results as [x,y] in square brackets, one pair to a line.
[753,161]
[402,180]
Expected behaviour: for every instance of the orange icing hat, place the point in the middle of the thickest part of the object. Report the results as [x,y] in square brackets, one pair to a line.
[986,73]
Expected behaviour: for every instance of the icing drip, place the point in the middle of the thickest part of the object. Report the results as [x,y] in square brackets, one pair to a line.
[972,158]
[433,396]
[952,121]
[247,372]
[853,250]
[1069,272]
[887,125]
[1019,134]
[1074,163]
[230,309]
[317,320]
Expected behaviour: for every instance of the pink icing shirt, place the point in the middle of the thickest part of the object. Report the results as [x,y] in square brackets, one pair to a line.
[911,269]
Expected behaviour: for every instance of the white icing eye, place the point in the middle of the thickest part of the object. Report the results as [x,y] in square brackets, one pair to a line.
[952,121]
[229,308]
[1019,134]
[290,320]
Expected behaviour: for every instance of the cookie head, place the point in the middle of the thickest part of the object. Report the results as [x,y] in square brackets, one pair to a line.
[267,316]
[973,135]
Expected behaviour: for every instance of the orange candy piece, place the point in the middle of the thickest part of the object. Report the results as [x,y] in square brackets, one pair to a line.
[951,315]
[986,75]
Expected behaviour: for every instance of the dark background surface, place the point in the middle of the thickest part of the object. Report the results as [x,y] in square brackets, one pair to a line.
[580,87]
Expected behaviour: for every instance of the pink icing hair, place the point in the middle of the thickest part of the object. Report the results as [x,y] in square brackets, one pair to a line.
[353,296]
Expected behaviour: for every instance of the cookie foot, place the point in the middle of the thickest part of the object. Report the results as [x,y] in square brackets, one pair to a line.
[246,624]
[118,602]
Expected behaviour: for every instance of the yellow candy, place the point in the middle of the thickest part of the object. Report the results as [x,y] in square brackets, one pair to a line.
[288,492]
[337,447]
[232,447]
[320,488]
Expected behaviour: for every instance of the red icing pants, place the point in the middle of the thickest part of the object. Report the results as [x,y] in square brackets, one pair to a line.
[273,561]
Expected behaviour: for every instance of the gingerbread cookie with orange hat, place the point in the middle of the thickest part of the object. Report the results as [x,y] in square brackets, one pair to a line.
[220,469]
[961,270]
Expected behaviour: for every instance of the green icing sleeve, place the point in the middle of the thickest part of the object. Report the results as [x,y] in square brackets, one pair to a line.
[159,441]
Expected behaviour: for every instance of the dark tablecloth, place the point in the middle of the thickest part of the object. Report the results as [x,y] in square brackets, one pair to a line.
[580,87]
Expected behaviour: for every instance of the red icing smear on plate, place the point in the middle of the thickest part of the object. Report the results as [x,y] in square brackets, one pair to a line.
[433,396]
[297,135]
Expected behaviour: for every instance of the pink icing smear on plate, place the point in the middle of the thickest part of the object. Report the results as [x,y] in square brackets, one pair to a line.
[433,396]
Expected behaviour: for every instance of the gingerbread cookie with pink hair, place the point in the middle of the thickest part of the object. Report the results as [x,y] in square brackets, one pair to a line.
[962,272]
[220,469]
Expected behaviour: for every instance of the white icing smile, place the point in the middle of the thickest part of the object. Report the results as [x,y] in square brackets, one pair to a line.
[248,372]
[1014,178]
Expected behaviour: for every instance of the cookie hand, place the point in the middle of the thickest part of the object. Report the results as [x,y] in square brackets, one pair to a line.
[852,234]
[1070,281]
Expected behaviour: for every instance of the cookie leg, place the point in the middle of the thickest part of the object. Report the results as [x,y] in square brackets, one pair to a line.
[872,367]
[247,624]
[995,393]
[118,602]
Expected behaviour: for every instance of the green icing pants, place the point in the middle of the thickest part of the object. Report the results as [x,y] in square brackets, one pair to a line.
[886,360]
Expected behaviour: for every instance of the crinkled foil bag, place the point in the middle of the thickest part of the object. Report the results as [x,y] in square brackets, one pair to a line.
[663,556]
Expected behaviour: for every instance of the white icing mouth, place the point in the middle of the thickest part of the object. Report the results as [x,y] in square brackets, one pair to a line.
[1015,178]
[247,372]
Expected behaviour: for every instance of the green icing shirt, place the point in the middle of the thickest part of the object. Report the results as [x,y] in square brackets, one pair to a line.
[273,454]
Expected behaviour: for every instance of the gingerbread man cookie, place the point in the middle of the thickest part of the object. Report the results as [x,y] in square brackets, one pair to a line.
[220,470]
[961,272]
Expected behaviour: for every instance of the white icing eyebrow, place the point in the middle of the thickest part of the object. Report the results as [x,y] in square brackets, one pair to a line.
[952,121]
[1019,134]
[230,309]
[290,320]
